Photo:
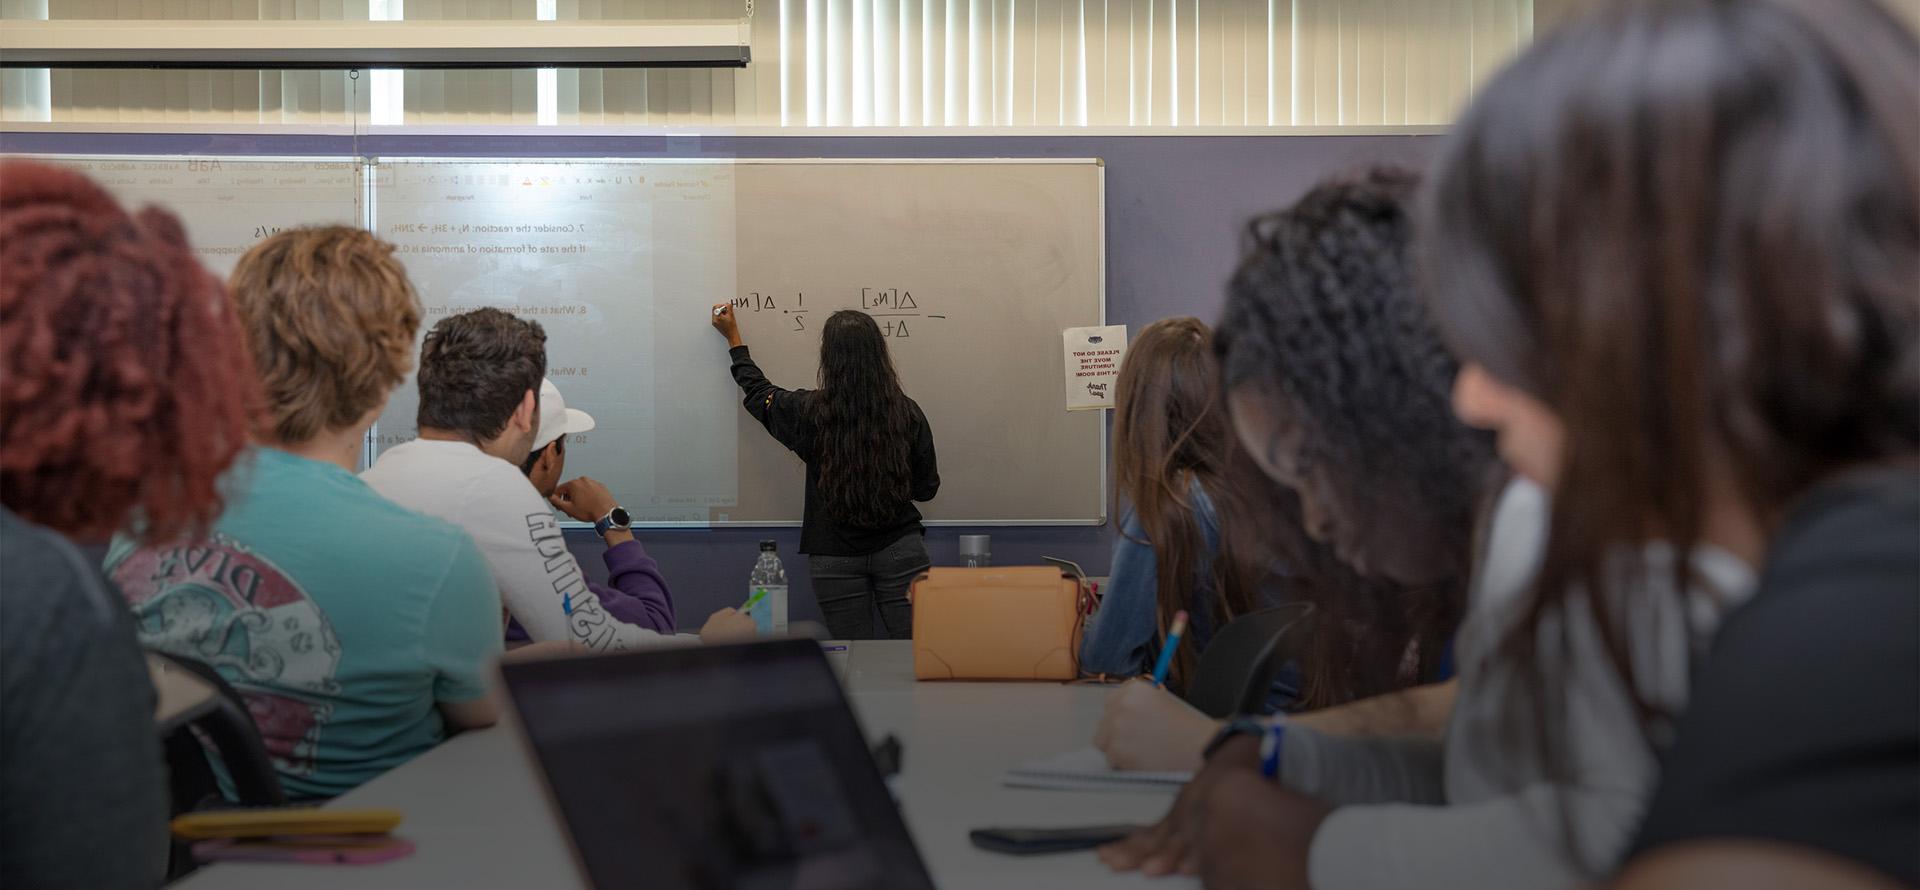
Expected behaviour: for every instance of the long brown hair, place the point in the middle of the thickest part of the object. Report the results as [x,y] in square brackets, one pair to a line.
[1691,228]
[1170,433]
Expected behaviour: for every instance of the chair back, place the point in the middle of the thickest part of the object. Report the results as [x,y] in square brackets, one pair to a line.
[1243,659]
[204,720]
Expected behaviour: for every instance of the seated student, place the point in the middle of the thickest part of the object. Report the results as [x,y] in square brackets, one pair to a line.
[1185,544]
[123,391]
[1746,803]
[1484,790]
[1369,459]
[1695,307]
[480,373]
[359,632]
[635,592]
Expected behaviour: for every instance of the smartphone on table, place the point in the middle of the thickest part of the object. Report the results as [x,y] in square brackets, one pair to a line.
[346,849]
[1030,841]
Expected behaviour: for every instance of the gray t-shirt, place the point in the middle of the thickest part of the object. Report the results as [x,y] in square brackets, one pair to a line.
[83,788]
[1481,808]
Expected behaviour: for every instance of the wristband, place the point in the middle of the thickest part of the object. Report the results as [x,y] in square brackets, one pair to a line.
[1270,748]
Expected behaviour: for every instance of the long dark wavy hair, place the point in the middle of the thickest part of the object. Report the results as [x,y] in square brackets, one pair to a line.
[865,423]
[1691,229]
[1325,328]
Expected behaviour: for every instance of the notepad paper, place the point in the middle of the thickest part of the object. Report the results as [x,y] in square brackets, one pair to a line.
[1086,769]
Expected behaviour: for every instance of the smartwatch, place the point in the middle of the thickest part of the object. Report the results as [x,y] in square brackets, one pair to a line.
[615,520]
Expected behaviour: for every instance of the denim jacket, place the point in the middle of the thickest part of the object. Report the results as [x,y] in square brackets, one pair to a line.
[1122,638]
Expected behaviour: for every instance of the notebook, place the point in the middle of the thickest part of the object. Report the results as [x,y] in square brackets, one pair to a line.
[1086,769]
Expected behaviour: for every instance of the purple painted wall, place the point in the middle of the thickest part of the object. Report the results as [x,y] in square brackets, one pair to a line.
[1175,205]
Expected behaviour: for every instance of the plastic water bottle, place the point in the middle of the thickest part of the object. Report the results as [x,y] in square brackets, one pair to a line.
[976,551]
[769,584]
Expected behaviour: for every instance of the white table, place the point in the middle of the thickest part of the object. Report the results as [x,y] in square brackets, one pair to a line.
[480,820]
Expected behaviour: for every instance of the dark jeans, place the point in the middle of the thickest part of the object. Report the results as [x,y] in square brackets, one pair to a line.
[849,587]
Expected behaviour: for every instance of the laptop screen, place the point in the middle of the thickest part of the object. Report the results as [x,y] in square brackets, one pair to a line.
[713,767]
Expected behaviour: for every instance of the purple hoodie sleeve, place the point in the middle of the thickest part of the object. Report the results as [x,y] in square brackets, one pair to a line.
[635,592]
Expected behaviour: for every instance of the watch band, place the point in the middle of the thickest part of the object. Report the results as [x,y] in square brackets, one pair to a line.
[1241,725]
[606,524]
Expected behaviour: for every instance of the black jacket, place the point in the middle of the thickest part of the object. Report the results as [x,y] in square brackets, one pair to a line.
[784,413]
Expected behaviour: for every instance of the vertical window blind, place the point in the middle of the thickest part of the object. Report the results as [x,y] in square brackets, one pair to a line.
[858,63]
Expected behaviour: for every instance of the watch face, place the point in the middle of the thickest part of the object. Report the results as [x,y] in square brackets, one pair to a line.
[620,517]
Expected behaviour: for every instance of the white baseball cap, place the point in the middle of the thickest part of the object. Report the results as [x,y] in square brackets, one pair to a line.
[556,419]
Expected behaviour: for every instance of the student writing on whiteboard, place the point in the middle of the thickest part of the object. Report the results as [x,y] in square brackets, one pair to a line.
[869,456]
[480,373]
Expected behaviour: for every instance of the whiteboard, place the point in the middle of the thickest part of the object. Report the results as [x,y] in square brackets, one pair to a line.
[229,204]
[973,267]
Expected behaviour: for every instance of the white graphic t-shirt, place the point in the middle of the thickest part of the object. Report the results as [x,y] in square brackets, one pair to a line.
[540,581]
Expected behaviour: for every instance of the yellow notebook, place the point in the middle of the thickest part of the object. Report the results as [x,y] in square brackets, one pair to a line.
[284,821]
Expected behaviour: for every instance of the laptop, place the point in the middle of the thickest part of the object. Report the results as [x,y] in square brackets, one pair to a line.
[713,768]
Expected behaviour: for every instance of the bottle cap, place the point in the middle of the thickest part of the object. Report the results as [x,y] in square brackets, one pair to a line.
[769,546]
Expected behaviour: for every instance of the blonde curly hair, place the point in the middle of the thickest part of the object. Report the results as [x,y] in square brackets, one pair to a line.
[331,317]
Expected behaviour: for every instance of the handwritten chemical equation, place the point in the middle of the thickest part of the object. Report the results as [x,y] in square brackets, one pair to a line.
[897,311]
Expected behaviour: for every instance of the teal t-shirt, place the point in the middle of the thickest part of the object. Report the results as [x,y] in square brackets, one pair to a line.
[341,616]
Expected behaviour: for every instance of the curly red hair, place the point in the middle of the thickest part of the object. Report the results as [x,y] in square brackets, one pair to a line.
[126,389]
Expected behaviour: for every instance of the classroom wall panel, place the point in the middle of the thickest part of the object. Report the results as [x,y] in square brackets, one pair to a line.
[1175,208]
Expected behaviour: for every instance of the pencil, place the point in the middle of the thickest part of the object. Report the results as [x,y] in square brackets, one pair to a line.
[1166,652]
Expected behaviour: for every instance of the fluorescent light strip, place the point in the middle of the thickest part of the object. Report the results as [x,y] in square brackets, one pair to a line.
[387,88]
[546,82]
[333,45]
